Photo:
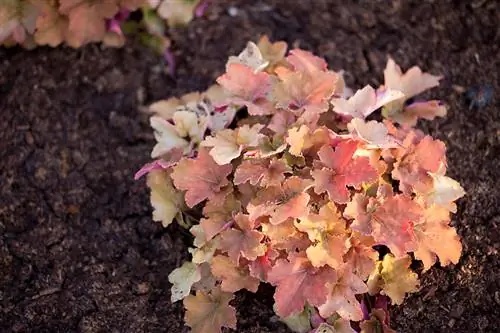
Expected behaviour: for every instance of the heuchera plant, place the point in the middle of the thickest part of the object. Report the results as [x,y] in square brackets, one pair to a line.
[303,191]
[78,22]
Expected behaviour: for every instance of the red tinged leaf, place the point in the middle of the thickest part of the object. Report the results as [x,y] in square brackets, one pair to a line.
[244,241]
[361,255]
[358,210]
[247,87]
[260,267]
[298,282]
[305,94]
[201,178]
[233,277]
[412,170]
[241,81]
[393,224]
[250,171]
[281,203]
[266,172]
[208,313]
[341,170]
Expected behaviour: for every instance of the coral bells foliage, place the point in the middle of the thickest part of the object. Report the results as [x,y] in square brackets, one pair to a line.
[301,191]
[77,22]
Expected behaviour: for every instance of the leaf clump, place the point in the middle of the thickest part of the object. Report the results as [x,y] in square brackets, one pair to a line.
[304,191]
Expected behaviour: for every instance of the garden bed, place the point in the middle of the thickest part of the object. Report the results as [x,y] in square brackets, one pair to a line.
[78,249]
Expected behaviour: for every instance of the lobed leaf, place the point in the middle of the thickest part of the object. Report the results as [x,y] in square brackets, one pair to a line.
[201,178]
[208,313]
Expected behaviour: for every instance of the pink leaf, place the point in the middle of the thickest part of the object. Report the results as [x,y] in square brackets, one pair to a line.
[201,178]
[297,282]
[393,224]
[341,171]
[411,83]
[306,61]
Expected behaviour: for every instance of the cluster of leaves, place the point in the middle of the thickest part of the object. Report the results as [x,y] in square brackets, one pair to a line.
[302,190]
[78,22]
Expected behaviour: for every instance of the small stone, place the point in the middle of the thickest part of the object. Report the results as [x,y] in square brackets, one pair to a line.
[142,288]
[29,138]
[497,297]
[233,11]
[457,311]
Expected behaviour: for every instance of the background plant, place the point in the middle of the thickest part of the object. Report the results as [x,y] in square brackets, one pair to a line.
[307,191]
[78,22]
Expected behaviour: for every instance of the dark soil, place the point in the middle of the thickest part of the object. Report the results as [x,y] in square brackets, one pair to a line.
[78,249]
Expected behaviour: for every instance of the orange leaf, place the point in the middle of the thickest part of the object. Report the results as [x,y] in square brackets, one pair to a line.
[243,241]
[394,277]
[327,231]
[208,313]
[272,52]
[233,277]
[51,26]
[281,203]
[436,238]
[87,19]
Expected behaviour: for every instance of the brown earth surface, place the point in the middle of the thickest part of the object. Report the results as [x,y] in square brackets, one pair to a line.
[78,249]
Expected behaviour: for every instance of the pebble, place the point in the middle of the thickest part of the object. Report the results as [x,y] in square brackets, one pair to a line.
[233,11]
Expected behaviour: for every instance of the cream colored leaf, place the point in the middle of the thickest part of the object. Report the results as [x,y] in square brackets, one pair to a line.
[228,144]
[165,199]
[183,279]
[224,146]
[177,12]
[394,277]
[188,124]
[297,139]
[374,133]
[208,313]
[250,57]
[166,136]
[445,191]
[204,253]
